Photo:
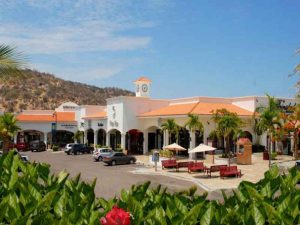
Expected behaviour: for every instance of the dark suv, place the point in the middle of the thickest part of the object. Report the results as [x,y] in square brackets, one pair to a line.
[80,148]
[37,146]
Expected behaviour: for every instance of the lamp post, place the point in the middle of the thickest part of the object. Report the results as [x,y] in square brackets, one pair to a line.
[54,126]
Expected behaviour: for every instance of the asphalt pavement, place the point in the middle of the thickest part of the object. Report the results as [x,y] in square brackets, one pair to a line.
[110,179]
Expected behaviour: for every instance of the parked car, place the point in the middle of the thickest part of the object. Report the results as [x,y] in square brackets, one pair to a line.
[37,146]
[25,158]
[118,158]
[99,153]
[22,146]
[80,148]
[68,148]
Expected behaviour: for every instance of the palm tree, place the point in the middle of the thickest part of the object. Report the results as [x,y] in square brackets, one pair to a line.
[10,61]
[228,125]
[291,127]
[8,128]
[171,126]
[194,123]
[268,119]
[78,135]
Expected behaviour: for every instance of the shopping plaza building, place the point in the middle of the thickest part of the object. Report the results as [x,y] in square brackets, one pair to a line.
[134,122]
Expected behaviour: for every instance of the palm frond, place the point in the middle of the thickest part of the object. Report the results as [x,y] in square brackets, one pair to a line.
[11,61]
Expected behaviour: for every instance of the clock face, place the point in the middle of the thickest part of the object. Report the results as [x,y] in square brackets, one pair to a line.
[144,88]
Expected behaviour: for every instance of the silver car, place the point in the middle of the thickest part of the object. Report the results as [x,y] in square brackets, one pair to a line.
[68,148]
[99,153]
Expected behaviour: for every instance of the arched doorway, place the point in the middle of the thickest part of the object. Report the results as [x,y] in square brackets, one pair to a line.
[101,137]
[114,139]
[134,141]
[198,137]
[184,139]
[26,136]
[155,138]
[246,134]
[63,137]
[90,136]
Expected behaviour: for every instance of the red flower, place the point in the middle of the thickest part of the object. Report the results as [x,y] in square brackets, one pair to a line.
[116,216]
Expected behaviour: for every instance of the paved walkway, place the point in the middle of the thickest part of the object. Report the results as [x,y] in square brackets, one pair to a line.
[252,173]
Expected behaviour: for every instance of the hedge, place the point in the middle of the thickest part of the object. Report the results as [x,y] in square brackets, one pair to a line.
[30,194]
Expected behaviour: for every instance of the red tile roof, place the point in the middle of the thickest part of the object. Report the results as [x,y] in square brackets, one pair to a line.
[101,114]
[195,108]
[61,117]
[143,79]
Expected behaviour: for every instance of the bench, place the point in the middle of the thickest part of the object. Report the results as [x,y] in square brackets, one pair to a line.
[230,171]
[198,166]
[170,163]
[215,168]
[183,165]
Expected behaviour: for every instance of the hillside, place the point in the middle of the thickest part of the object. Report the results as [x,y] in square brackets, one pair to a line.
[35,90]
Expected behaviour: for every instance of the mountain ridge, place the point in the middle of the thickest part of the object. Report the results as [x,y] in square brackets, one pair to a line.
[44,91]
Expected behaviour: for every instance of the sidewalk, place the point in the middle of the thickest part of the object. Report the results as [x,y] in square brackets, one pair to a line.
[252,173]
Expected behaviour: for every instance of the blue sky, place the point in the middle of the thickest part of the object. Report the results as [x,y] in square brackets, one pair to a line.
[187,48]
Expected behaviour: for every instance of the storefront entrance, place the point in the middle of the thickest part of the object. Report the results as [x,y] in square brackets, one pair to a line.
[134,142]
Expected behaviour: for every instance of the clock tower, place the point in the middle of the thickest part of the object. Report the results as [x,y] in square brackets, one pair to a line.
[142,87]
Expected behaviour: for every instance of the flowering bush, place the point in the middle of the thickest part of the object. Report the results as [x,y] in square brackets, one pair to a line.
[116,216]
[288,127]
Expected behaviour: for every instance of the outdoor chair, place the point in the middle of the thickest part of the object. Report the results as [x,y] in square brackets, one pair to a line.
[195,167]
[214,168]
[169,163]
[230,171]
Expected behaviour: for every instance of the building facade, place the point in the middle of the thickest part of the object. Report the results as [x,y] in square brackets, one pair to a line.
[134,123]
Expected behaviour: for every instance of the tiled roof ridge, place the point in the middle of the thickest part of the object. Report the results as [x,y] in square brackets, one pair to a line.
[194,107]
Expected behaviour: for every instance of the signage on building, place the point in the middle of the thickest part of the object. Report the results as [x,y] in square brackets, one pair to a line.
[68,126]
[69,107]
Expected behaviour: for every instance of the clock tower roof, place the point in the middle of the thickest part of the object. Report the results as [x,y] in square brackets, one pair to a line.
[143,80]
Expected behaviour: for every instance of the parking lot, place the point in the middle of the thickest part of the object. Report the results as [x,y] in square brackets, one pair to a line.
[110,179]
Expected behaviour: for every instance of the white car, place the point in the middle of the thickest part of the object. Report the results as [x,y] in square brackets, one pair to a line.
[68,148]
[25,158]
[99,153]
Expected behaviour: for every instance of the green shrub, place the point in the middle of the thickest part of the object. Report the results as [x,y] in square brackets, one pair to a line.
[118,150]
[163,153]
[55,148]
[31,195]
[273,200]
[274,155]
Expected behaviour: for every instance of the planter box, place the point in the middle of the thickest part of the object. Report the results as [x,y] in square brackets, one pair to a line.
[224,161]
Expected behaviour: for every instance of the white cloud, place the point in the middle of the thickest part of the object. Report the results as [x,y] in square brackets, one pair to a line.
[79,26]
[66,39]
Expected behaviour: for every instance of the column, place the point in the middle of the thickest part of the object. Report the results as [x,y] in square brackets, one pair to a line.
[293,144]
[205,136]
[85,140]
[123,139]
[192,144]
[159,141]
[45,138]
[15,138]
[145,144]
[95,138]
[107,136]
[167,138]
